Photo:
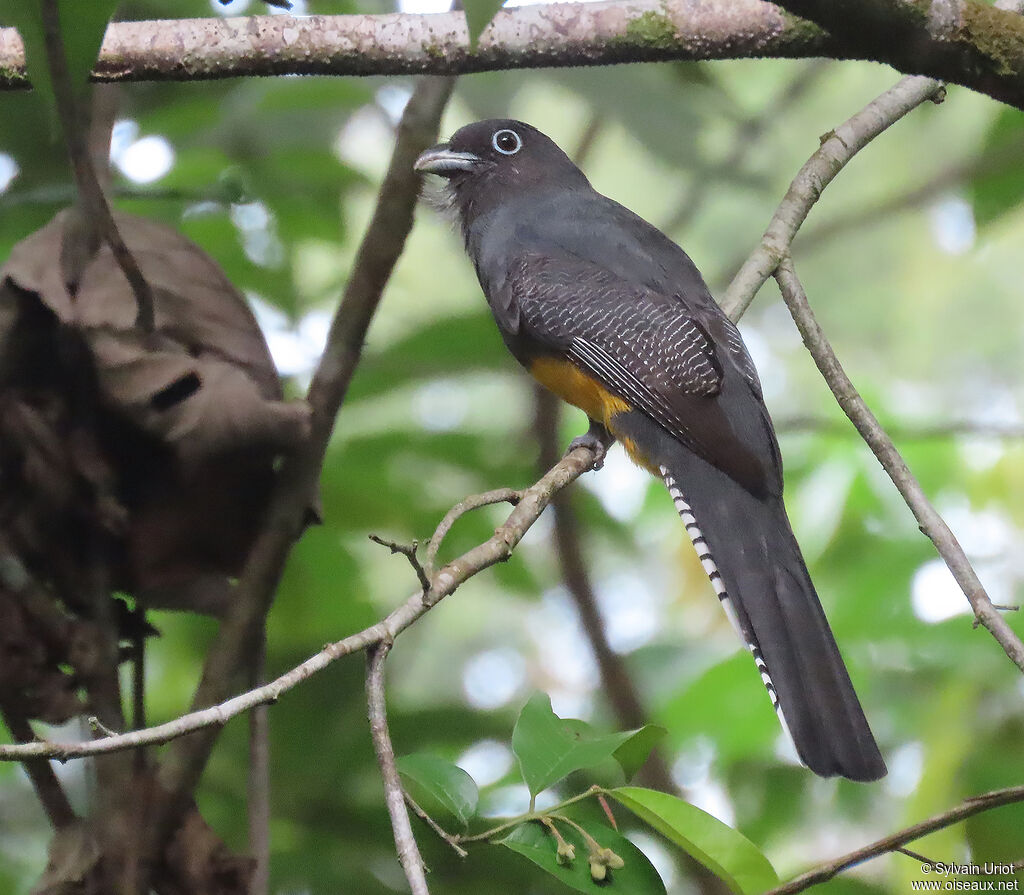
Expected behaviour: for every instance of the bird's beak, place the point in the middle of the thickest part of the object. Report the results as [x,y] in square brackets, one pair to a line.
[444,160]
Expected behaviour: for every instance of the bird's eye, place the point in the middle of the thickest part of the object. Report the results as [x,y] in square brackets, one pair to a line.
[507,142]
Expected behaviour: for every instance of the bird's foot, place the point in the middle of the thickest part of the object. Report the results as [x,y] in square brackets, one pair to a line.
[598,439]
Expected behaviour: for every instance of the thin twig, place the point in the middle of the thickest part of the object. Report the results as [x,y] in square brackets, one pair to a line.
[497,548]
[929,520]
[969,808]
[466,505]
[837,148]
[405,840]
[95,209]
[917,856]
[441,832]
[97,726]
[409,552]
[588,139]
[1002,607]
[531,815]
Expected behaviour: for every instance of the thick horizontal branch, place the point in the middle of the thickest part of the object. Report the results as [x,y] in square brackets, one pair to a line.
[559,34]
[984,52]
[497,548]
[930,37]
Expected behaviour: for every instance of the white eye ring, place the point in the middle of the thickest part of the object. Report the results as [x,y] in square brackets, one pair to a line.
[500,135]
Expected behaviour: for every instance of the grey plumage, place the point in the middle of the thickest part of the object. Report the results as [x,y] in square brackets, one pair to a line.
[574,277]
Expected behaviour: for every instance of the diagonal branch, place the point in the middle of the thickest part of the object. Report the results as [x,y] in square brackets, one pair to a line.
[772,256]
[94,209]
[896,841]
[956,175]
[837,148]
[929,520]
[378,252]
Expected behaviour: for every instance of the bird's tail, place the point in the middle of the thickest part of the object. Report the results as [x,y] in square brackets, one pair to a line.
[748,549]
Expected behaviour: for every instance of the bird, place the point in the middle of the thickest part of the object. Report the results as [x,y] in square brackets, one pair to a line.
[607,312]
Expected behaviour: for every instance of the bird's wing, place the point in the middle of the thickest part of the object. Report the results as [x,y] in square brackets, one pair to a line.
[648,349]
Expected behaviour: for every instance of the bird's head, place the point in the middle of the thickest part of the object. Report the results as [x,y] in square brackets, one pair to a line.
[491,161]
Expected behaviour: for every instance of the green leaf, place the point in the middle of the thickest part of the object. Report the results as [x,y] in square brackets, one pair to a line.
[550,748]
[439,787]
[999,186]
[720,848]
[478,16]
[719,703]
[634,751]
[636,876]
[82,26]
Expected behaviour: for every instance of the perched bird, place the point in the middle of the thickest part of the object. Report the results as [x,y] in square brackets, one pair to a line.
[608,313]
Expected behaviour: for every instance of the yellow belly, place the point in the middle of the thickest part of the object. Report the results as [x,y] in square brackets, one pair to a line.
[571,384]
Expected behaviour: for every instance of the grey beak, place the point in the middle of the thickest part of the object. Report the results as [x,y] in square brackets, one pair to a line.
[442,160]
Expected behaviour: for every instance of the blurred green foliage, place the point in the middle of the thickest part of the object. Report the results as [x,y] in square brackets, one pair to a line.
[276,178]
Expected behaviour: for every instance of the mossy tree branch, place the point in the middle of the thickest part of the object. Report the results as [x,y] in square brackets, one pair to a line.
[969,43]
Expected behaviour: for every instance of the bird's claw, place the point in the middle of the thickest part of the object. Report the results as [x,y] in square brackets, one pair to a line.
[596,439]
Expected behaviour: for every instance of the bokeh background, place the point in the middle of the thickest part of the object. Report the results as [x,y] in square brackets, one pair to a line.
[912,261]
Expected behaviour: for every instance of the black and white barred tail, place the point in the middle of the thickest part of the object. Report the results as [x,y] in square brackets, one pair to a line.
[748,550]
[703,549]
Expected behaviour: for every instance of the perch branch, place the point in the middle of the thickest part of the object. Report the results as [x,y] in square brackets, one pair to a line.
[970,807]
[837,148]
[495,549]
[405,842]
[929,520]
[986,54]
